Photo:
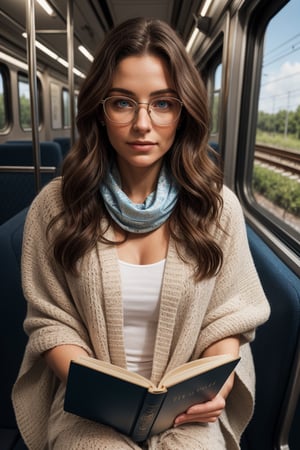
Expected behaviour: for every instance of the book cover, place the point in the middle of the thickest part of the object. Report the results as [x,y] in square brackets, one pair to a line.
[127,401]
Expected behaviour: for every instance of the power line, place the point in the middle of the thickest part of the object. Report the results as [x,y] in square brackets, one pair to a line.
[284,94]
[282,56]
[280,79]
[281,45]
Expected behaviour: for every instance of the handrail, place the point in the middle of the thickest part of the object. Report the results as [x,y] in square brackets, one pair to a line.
[31,58]
[27,169]
[70,43]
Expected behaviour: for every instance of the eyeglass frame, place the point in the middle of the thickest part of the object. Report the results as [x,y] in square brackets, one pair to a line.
[136,109]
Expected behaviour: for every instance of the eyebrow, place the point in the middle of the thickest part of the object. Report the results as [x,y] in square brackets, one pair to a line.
[153,94]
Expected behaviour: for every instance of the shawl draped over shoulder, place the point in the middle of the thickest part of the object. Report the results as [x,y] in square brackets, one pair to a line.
[87,311]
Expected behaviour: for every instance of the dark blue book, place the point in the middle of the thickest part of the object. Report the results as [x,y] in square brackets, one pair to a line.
[130,403]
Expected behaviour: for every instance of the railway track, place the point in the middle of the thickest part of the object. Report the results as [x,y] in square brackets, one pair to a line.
[285,161]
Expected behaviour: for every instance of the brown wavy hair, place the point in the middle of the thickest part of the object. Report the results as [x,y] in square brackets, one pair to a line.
[199,202]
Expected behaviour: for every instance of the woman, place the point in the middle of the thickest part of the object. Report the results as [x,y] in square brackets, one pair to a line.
[138,254]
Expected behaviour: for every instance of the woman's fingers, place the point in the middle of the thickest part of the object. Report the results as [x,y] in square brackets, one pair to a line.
[204,412]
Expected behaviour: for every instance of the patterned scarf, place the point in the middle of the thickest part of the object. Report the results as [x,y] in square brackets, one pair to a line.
[139,217]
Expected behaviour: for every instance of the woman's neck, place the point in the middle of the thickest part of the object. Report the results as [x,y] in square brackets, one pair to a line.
[138,184]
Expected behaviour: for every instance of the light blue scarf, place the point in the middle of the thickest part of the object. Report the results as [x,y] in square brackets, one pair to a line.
[135,217]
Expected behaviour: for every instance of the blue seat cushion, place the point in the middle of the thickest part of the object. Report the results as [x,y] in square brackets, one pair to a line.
[274,349]
[12,313]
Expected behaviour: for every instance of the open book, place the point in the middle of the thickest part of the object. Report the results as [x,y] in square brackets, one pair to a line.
[127,401]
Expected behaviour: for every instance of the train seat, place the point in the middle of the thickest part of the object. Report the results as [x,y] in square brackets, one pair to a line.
[276,352]
[215,146]
[214,153]
[12,313]
[19,141]
[65,144]
[21,153]
[17,182]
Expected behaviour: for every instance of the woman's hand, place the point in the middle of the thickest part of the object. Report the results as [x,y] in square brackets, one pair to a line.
[203,412]
[210,411]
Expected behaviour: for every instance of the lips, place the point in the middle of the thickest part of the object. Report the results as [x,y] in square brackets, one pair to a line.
[142,145]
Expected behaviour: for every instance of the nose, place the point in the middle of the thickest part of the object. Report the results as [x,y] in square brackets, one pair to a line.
[142,120]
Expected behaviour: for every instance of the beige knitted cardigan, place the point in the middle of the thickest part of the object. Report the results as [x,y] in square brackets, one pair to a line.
[87,311]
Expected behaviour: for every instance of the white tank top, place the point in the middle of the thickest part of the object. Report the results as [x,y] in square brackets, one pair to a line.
[141,287]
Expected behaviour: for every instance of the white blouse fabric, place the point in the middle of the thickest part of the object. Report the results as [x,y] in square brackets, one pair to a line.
[141,288]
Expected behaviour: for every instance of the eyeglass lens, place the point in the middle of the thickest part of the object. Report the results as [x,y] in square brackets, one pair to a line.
[163,110]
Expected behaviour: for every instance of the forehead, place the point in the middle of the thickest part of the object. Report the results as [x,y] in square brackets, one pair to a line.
[143,74]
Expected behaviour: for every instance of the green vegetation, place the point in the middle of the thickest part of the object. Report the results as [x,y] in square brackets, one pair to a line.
[2,113]
[283,122]
[281,129]
[25,113]
[278,140]
[280,190]
[215,113]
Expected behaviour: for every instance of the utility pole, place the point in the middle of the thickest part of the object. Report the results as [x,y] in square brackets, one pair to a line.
[286,125]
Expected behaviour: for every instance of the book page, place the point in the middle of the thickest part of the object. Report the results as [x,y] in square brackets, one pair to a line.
[193,368]
[115,371]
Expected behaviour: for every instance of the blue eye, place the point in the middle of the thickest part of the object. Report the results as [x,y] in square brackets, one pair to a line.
[161,104]
[121,103]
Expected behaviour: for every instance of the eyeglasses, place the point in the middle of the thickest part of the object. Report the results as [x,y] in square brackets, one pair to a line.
[122,110]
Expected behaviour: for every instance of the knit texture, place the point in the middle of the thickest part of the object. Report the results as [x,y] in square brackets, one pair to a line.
[87,311]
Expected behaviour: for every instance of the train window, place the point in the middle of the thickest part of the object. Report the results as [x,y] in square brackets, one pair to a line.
[215,100]
[276,169]
[211,71]
[24,101]
[66,108]
[56,119]
[3,100]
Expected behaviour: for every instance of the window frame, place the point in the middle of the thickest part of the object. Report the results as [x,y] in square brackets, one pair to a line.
[6,98]
[260,218]
[25,76]
[209,64]
[64,110]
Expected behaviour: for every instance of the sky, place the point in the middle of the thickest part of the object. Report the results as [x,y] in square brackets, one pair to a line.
[280,84]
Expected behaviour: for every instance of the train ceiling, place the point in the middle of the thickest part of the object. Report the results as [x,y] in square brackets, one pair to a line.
[92,20]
